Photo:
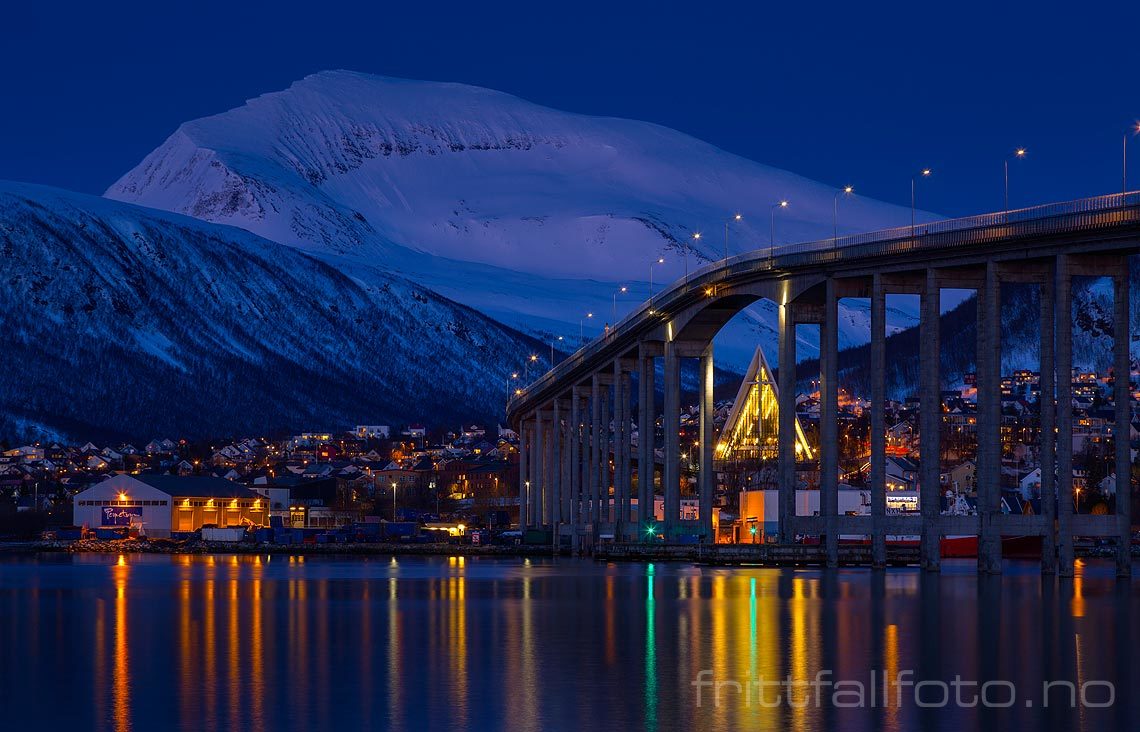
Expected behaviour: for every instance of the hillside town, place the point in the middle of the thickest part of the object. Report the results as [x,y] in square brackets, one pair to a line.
[470,476]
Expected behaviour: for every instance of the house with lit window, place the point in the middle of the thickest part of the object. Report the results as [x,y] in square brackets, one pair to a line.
[162,504]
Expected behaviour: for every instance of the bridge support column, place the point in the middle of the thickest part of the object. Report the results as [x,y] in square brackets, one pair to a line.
[546,451]
[786,462]
[829,417]
[1122,367]
[556,468]
[1047,412]
[672,427]
[621,450]
[524,475]
[595,451]
[646,429]
[930,415]
[604,464]
[878,422]
[1064,348]
[989,422]
[706,476]
[575,431]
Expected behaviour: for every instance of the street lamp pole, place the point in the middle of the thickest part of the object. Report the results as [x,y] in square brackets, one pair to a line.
[393,500]
[737,217]
[582,328]
[696,238]
[925,174]
[620,291]
[847,191]
[1019,154]
[772,228]
[526,367]
[552,342]
[1124,160]
[660,260]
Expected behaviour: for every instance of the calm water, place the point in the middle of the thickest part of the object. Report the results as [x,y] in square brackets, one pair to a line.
[205,643]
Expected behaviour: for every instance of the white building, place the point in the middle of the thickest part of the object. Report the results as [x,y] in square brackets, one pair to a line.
[165,503]
[372,431]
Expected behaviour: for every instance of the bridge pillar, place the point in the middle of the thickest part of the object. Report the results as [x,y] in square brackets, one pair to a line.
[930,414]
[604,471]
[1064,352]
[626,451]
[878,422]
[706,476]
[544,454]
[573,502]
[646,430]
[524,475]
[671,475]
[556,466]
[1047,412]
[595,469]
[786,462]
[1122,367]
[829,417]
[989,422]
[621,451]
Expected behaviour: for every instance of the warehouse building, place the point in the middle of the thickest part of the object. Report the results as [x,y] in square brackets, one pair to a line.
[165,503]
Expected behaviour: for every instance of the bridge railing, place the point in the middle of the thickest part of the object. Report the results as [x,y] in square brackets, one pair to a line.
[1050,218]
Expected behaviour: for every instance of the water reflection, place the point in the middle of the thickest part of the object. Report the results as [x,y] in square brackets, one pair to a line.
[280,643]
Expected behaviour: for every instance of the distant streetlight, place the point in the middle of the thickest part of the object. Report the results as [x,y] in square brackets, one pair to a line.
[526,366]
[772,230]
[556,340]
[847,191]
[1018,154]
[582,327]
[393,500]
[696,238]
[924,174]
[620,291]
[736,218]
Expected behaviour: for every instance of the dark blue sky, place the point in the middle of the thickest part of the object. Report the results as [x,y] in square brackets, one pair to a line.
[841,94]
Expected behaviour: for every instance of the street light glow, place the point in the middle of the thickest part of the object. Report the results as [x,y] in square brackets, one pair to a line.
[1020,152]
[926,171]
[848,189]
[696,235]
[783,204]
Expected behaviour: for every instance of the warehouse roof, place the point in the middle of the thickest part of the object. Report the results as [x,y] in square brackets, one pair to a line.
[197,486]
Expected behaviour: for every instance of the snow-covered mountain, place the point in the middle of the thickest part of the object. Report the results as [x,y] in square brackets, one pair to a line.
[126,321]
[530,215]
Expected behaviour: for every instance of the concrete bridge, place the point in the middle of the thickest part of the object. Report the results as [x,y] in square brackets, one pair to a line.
[563,418]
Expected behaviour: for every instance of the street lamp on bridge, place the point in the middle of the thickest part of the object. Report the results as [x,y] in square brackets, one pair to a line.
[847,191]
[696,238]
[772,230]
[526,366]
[659,260]
[1018,154]
[913,179]
[582,327]
[1135,130]
[620,291]
[736,218]
[552,342]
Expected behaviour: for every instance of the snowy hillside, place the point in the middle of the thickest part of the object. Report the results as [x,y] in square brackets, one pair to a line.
[531,215]
[135,322]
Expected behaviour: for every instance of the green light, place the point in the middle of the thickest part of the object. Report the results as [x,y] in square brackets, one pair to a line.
[651,530]
[752,531]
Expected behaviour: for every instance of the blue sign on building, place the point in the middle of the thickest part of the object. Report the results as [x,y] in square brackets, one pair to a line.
[121,515]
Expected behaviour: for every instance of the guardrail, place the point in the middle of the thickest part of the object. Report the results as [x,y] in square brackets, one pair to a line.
[1047,219]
